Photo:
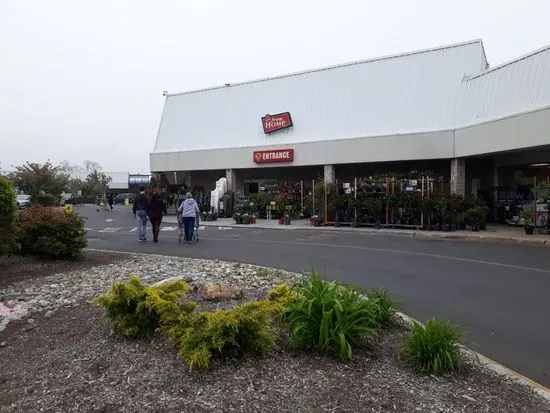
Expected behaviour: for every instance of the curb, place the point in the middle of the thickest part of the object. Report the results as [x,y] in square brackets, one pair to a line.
[492,365]
[401,233]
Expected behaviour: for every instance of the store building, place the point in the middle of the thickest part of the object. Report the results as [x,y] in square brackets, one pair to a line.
[443,109]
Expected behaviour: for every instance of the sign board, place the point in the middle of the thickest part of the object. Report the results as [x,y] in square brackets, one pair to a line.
[272,123]
[78,193]
[276,155]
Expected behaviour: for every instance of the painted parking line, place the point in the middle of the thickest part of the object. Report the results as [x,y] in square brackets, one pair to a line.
[110,229]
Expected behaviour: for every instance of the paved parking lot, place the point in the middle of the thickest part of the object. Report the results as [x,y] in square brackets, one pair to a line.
[498,293]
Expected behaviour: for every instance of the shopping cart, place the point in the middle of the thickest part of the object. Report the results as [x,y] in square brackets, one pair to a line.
[181,237]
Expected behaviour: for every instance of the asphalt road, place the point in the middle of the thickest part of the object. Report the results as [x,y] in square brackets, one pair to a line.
[499,293]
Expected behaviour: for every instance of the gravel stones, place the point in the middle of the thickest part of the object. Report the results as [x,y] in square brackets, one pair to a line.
[45,296]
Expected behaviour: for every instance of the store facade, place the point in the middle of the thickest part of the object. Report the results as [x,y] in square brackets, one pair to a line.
[478,129]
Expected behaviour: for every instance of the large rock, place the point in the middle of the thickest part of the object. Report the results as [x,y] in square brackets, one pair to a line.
[219,291]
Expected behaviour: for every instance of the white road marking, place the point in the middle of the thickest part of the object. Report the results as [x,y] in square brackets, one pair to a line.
[225,228]
[168,228]
[109,220]
[88,229]
[134,229]
[110,230]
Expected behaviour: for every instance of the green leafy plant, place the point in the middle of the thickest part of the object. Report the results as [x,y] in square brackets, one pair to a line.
[51,233]
[35,178]
[386,307]
[47,200]
[283,294]
[138,311]
[236,332]
[329,317]
[477,215]
[433,347]
[8,217]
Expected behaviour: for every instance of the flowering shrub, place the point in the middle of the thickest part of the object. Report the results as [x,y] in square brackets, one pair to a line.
[51,233]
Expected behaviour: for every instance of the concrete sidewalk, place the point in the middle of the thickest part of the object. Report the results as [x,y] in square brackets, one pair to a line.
[494,233]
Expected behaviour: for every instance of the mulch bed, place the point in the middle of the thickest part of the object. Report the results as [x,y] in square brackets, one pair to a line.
[73,363]
[18,267]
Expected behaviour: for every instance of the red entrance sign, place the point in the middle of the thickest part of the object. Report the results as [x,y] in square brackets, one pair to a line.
[272,123]
[278,155]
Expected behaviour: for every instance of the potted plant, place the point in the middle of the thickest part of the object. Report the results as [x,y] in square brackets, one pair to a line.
[246,219]
[529,227]
[238,218]
[287,219]
[477,216]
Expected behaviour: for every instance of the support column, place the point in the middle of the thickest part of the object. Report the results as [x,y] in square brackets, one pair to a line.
[329,174]
[231,176]
[458,176]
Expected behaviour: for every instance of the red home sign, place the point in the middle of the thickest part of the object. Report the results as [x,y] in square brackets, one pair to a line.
[277,155]
[272,123]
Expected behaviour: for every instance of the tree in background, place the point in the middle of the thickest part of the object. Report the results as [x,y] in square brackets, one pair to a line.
[90,166]
[8,216]
[75,185]
[35,179]
[96,183]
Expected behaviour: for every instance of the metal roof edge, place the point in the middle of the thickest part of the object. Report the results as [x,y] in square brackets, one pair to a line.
[160,123]
[338,66]
[501,118]
[510,62]
[336,139]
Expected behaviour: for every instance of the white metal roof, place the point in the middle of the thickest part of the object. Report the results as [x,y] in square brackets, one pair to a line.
[515,87]
[427,90]
[119,180]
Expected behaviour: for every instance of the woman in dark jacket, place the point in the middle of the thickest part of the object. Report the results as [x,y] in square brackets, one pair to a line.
[155,209]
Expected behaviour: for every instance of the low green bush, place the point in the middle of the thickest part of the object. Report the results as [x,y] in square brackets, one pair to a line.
[8,217]
[139,311]
[433,348]
[329,317]
[236,332]
[47,200]
[52,233]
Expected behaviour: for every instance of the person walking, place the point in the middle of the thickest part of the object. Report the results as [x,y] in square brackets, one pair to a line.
[110,199]
[189,211]
[155,209]
[140,213]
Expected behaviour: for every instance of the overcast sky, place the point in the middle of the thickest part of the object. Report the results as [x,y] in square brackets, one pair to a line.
[84,79]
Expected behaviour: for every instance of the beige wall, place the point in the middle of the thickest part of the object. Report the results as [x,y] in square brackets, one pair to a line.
[431,145]
[527,130]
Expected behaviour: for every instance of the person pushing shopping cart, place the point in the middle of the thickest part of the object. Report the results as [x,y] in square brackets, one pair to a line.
[189,213]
